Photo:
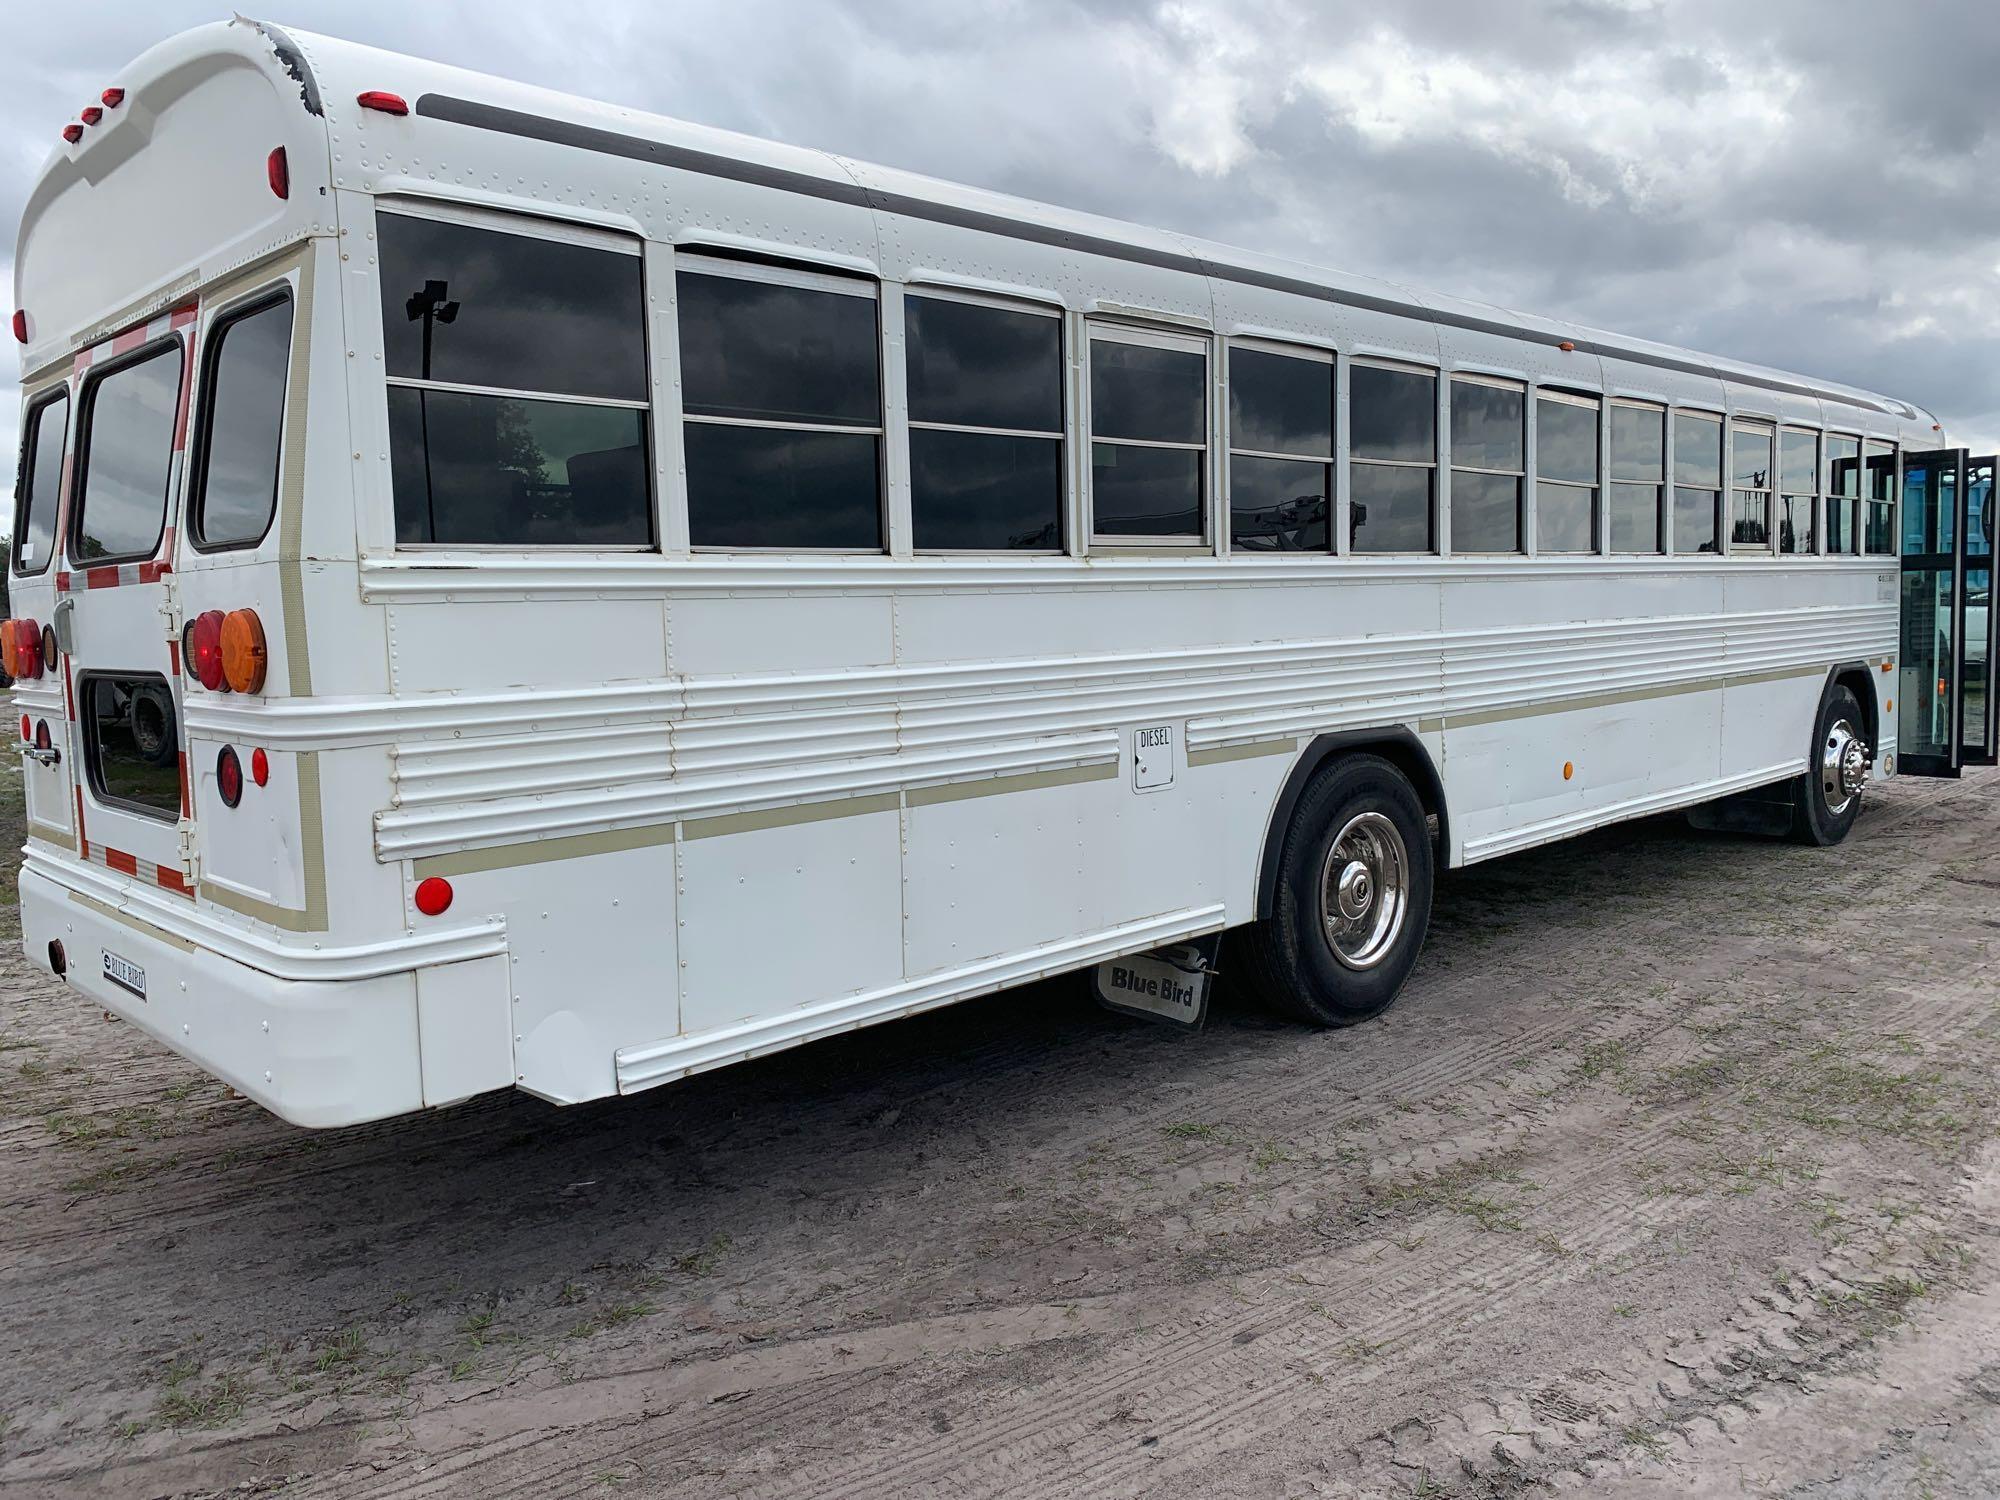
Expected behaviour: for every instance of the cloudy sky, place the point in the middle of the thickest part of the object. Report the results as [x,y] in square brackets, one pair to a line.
[1812,184]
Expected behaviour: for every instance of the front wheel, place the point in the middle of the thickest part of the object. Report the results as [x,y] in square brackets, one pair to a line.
[1353,898]
[1827,798]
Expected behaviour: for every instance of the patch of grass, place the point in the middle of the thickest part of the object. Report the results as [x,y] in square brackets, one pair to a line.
[187,1401]
[1468,1188]
[345,1350]
[1645,1440]
[703,1262]
[1190,1130]
[610,1317]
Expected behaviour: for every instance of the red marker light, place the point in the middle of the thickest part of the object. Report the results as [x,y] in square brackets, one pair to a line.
[112,98]
[72,132]
[382,99]
[229,776]
[260,767]
[433,896]
[91,115]
[27,729]
[279,172]
[203,648]
[21,325]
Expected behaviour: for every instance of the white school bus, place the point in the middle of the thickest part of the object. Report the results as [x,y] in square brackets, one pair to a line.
[516,592]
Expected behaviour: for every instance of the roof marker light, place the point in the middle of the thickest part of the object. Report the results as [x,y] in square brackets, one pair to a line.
[91,115]
[1567,347]
[112,98]
[382,99]
[21,324]
[279,172]
[72,132]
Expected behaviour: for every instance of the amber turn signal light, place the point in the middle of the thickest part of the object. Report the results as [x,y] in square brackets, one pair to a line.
[244,660]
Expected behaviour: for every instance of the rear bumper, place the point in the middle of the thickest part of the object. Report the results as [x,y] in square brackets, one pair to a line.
[315,1052]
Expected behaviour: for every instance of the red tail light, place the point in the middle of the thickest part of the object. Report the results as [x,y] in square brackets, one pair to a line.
[112,98]
[433,896]
[21,324]
[229,776]
[72,132]
[260,767]
[27,649]
[203,649]
[279,171]
[91,115]
[382,99]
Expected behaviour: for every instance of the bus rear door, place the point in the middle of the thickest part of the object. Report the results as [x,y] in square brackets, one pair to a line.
[1945,709]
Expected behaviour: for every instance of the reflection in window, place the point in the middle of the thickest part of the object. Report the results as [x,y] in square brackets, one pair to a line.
[1878,538]
[1798,490]
[550,447]
[782,406]
[132,744]
[1750,476]
[1697,482]
[1392,458]
[1843,492]
[1280,452]
[127,453]
[1565,472]
[1148,435]
[986,427]
[1638,477]
[41,492]
[243,418]
[1488,464]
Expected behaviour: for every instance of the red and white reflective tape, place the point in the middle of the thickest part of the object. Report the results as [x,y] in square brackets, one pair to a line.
[111,575]
[133,338]
[167,878]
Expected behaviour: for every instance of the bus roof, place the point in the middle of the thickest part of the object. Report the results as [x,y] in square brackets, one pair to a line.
[316,80]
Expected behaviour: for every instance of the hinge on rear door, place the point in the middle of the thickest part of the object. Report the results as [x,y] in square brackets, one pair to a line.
[170,607]
[190,856]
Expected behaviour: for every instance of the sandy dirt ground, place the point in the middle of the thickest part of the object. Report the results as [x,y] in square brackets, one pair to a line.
[1675,1171]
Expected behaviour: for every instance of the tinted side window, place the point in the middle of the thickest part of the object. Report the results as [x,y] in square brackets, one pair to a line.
[1488,455]
[1149,439]
[514,312]
[243,419]
[986,405]
[1638,474]
[1281,452]
[1697,483]
[1392,459]
[40,484]
[524,318]
[782,403]
[127,452]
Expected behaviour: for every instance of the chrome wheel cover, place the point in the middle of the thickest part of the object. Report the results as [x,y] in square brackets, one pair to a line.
[1364,890]
[1843,765]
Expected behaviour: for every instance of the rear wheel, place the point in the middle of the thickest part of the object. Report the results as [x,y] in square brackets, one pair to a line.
[1827,797]
[1353,898]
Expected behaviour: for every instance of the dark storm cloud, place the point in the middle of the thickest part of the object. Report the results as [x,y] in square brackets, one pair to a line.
[1807,183]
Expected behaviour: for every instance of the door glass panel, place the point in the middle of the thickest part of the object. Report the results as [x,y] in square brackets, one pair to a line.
[1930,618]
[1979,619]
[132,744]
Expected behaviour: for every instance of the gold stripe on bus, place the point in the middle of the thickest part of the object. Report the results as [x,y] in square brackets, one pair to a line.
[545,851]
[1632,695]
[1000,786]
[1248,750]
[104,909]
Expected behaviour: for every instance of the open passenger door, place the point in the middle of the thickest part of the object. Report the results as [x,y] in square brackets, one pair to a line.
[1945,719]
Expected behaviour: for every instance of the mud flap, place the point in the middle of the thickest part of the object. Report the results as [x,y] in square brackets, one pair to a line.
[1169,985]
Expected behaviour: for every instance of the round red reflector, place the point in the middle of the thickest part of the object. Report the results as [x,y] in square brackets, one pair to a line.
[92,115]
[279,172]
[112,98]
[229,776]
[204,649]
[20,325]
[260,767]
[72,132]
[43,740]
[382,99]
[433,895]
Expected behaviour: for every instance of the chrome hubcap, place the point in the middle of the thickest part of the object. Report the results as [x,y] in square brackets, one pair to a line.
[1364,890]
[1843,765]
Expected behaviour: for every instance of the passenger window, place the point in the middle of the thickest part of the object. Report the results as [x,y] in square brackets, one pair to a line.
[127,456]
[1843,492]
[517,387]
[1751,475]
[1697,482]
[1798,486]
[1488,464]
[1148,435]
[242,422]
[1638,477]
[1565,472]
[131,743]
[986,426]
[1280,451]
[1878,537]
[781,383]
[1392,458]
[40,483]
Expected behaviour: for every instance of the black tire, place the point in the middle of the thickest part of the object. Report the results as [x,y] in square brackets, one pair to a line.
[152,723]
[1822,819]
[1288,961]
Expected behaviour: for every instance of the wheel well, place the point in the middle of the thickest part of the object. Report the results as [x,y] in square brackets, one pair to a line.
[1857,679]
[1401,748]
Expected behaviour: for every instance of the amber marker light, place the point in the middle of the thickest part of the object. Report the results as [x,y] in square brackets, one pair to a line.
[244,659]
